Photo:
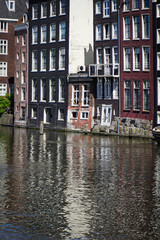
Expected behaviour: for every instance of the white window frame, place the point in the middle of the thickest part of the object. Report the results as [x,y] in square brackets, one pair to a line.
[84,115]
[98,7]
[75,95]
[136,28]
[158,36]
[158,10]
[126,6]
[158,61]
[11,5]
[34,89]
[3,69]
[137,91]
[99,88]
[116,88]
[52,60]
[17,56]
[76,115]
[23,57]
[143,59]
[59,114]
[99,56]
[146,87]
[3,89]
[126,28]
[52,88]
[136,64]
[46,109]
[43,60]
[23,40]
[158,117]
[17,74]
[43,89]
[35,12]
[127,64]
[4,26]
[107,88]
[52,10]
[106,8]
[158,91]
[53,32]
[44,33]
[35,34]
[61,11]
[114,30]
[34,113]
[98,32]
[127,94]
[143,4]
[114,6]
[62,56]
[61,89]
[44,10]
[85,95]
[3,47]
[134,3]
[23,73]
[62,31]
[143,29]
[22,94]
[34,63]
[106,31]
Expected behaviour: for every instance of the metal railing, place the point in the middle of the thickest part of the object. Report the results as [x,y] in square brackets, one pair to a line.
[104,70]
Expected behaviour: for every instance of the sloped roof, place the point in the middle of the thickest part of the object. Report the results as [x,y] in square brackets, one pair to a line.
[20,8]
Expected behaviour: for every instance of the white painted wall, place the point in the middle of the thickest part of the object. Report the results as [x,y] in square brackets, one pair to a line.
[80,34]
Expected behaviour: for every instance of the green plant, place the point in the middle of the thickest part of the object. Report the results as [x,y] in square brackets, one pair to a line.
[5,103]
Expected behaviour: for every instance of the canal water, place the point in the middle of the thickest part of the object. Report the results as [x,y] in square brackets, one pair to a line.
[73,186]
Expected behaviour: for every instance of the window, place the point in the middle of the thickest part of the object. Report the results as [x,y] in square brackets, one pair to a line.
[107,60]
[158,117]
[115,88]
[17,56]
[17,74]
[34,35]
[52,90]
[23,40]
[53,8]
[158,35]
[146,58]
[34,12]
[75,94]
[23,94]
[62,58]
[98,8]
[17,91]
[114,5]
[3,47]
[99,55]
[34,113]
[114,31]
[47,115]
[99,88]
[62,7]
[43,89]
[115,60]
[74,115]
[44,10]
[106,8]
[3,26]
[158,61]
[98,32]
[126,5]
[52,32]
[43,34]
[23,57]
[52,59]
[43,60]
[106,32]
[137,96]
[23,76]
[85,95]
[3,69]
[127,33]
[146,95]
[3,89]
[136,58]
[106,115]
[34,89]
[127,59]
[61,114]
[135,4]
[11,5]
[158,10]
[62,31]
[84,115]
[17,39]
[127,94]
[35,60]
[145,3]
[107,89]
[145,26]
[158,91]
[23,113]
[61,89]
[136,28]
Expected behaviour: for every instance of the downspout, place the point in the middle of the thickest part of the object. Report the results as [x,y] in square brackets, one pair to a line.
[27,27]
[119,69]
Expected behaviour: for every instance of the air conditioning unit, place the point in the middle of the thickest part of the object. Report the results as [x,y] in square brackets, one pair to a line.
[81,68]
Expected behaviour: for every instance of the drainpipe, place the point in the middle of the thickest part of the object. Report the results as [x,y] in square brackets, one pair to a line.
[119,68]
[27,27]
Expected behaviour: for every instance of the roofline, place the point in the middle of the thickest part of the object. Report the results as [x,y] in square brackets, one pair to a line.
[8,19]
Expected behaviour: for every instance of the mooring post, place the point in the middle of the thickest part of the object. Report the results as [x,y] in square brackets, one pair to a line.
[41,127]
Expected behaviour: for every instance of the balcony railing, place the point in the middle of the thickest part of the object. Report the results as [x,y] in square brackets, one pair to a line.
[104,70]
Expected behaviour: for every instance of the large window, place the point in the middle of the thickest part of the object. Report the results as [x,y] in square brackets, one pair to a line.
[136,28]
[75,94]
[62,7]
[107,89]
[61,114]
[35,60]
[106,32]
[158,35]
[98,8]
[158,10]
[53,59]
[99,55]
[145,3]
[3,26]
[23,57]
[98,32]
[100,88]
[127,33]
[62,58]
[44,10]
[34,35]
[34,113]
[62,31]
[145,26]
[115,88]
[61,89]
[135,4]
[158,61]
[126,5]
[127,94]
[158,91]
[47,115]
[43,60]
[52,90]
[127,59]
[137,96]
[114,5]
[106,8]
[146,58]
[23,73]
[34,89]
[3,89]
[23,94]
[52,32]
[114,30]
[3,47]
[43,89]
[43,34]
[107,60]
[53,8]
[3,69]
[23,40]
[34,12]
[85,95]
[146,95]
[136,58]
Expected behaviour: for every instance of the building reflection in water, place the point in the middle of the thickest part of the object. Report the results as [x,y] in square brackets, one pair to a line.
[68,186]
